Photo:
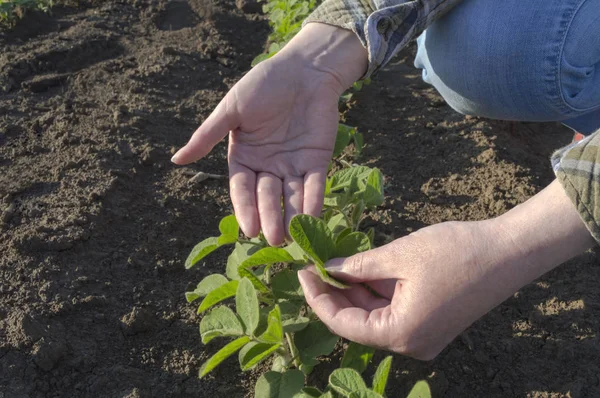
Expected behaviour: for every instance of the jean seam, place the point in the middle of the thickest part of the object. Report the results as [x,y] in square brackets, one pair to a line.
[560,69]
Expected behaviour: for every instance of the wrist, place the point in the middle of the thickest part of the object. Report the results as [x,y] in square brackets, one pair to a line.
[330,51]
[537,236]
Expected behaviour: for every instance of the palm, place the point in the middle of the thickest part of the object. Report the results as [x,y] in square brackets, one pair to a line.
[281,138]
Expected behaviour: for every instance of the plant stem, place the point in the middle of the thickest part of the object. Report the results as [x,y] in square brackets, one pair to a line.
[293,350]
[250,242]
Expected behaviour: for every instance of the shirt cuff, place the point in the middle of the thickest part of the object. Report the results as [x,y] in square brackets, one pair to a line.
[384,27]
[577,168]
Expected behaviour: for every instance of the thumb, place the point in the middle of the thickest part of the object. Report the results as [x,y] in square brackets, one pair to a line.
[372,265]
[209,134]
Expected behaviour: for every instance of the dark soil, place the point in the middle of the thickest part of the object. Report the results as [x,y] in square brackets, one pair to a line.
[95,222]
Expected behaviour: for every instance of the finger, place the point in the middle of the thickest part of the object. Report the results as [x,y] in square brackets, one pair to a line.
[361,297]
[372,265]
[209,134]
[341,316]
[293,198]
[314,190]
[268,195]
[242,187]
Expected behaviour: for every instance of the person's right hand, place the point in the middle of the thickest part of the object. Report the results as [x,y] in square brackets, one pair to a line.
[282,122]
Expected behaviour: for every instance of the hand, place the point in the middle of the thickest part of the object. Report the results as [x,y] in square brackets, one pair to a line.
[434,283]
[282,122]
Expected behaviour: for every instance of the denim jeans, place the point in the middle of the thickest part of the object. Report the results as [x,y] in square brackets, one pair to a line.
[525,60]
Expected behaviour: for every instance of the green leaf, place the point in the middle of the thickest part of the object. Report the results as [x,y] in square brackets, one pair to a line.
[274,332]
[257,283]
[222,355]
[313,236]
[371,235]
[365,394]
[294,325]
[286,286]
[230,230]
[216,296]
[381,375]
[241,252]
[344,177]
[254,353]
[246,304]
[337,223]
[268,256]
[341,140]
[346,381]
[201,250]
[359,143]
[328,394]
[357,357]
[342,235]
[220,322]
[373,195]
[279,385]
[357,212]
[420,390]
[351,244]
[309,392]
[206,286]
[313,341]
[296,252]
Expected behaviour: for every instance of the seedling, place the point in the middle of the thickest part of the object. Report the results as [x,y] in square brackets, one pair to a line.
[10,10]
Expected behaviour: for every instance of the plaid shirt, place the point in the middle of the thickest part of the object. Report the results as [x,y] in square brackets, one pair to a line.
[383,26]
[577,167]
[386,26]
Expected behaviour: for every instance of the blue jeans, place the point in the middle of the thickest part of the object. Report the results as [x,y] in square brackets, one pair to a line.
[526,60]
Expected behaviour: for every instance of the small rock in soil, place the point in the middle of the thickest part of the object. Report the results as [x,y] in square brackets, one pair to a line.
[137,321]
[47,353]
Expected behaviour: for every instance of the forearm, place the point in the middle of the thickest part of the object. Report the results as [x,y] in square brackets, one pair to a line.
[535,237]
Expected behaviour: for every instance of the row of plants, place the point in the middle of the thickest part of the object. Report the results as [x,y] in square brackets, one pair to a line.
[12,10]
[270,319]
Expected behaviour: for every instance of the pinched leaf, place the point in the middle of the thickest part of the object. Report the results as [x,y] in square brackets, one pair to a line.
[216,296]
[279,385]
[268,255]
[420,390]
[351,244]
[220,322]
[257,283]
[346,381]
[246,303]
[313,341]
[313,237]
[357,357]
[201,250]
[286,286]
[230,230]
[206,286]
[241,252]
[381,375]
[222,355]
[274,332]
[254,353]
[343,178]
[373,195]
[325,277]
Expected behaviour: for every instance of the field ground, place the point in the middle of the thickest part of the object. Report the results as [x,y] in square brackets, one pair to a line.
[95,221]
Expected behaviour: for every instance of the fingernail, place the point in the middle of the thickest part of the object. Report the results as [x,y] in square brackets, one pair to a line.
[335,265]
[176,157]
